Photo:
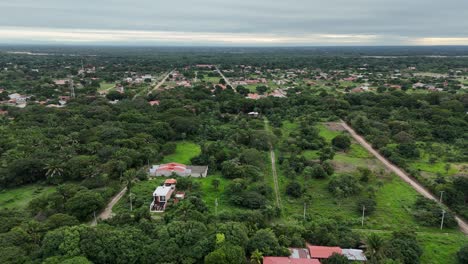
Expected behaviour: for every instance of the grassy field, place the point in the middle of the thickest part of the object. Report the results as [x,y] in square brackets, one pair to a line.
[105,86]
[393,196]
[20,197]
[185,151]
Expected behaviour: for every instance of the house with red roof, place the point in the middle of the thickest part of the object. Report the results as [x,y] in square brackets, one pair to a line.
[320,252]
[286,260]
[178,169]
[155,102]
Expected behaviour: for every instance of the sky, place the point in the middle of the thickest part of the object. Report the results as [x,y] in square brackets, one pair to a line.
[235,22]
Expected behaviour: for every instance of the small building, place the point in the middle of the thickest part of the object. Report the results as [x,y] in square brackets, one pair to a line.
[286,260]
[354,254]
[320,252]
[253,114]
[162,194]
[179,170]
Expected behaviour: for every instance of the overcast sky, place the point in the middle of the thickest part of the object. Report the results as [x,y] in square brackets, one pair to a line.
[235,22]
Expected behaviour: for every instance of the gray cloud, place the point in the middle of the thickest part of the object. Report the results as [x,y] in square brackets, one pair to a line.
[391,20]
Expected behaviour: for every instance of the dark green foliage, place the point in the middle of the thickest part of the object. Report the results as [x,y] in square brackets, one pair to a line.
[226,254]
[294,189]
[328,232]
[429,213]
[341,142]
[266,242]
[367,203]
[462,255]
[84,204]
[404,247]
[336,259]
[344,185]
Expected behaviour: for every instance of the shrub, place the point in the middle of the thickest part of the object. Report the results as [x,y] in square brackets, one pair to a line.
[294,189]
[341,142]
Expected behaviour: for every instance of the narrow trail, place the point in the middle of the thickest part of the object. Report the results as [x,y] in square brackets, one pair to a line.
[403,175]
[107,212]
[275,176]
[273,168]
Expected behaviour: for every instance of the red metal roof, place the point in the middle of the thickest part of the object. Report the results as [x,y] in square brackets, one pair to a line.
[172,167]
[286,260]
[320,252]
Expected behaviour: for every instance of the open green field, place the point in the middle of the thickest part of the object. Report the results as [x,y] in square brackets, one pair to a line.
[19,198]
[105,86]
[213,80]
[185,151]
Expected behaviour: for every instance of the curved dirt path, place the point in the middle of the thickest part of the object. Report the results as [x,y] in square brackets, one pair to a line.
[403,175]
[107,212]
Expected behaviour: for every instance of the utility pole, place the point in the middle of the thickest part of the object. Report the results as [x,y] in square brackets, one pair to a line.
[131,206]
[363,211]
[305,205]
[441,195]
[442,222]
[95,220]
[216,206]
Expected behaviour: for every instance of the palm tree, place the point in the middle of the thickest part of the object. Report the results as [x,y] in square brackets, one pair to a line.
[375,246]
[54,170]
[127,179]
[256,257]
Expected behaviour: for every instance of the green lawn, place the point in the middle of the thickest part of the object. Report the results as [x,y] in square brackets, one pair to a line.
[327,133]
[105,86]
[185,151]
[20,197]
[441,248]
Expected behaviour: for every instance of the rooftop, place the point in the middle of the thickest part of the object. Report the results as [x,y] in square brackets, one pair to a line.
[321,252]
[286,260]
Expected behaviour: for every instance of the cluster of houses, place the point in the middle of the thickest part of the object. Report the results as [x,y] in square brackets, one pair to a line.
[279,93]
[429,87]
[137,79]
[315,254]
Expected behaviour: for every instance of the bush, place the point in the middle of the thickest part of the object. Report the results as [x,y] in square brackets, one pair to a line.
[341,142]
[294,189]
[462,255]
[369,205]
[344,185]
[169,148]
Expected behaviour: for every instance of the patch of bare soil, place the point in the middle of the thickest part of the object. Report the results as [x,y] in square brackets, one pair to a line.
[334,126]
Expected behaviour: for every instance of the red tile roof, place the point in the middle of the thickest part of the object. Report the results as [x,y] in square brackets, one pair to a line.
[170,181]
[286,260]
[320,252]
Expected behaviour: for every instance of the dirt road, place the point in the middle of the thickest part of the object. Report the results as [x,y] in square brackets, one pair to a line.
[275,176]
[224,77]
[403,175]
[107,212]
[161,82]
